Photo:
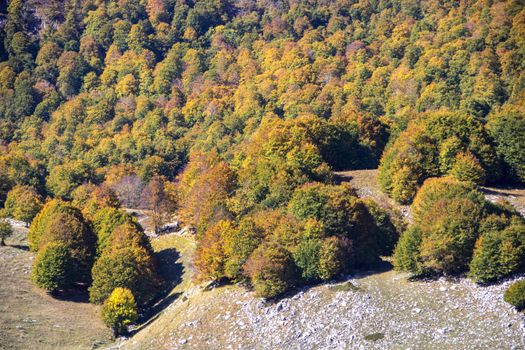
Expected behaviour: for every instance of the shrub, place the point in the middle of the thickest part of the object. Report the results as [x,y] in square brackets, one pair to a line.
[332,257]
[307,258]
[499,253]
[70,229]
[515,295]
[22,203]
[127,262]
[5,231]
[210,256]
[239,243]
[406,254]
[119,310]
[53,268]
[271,270]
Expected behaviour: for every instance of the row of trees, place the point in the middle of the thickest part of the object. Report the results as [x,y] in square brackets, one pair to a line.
[96,245]
[321,232]
[455,230]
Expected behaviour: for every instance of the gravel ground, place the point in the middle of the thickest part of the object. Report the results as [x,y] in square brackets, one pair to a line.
[371,311]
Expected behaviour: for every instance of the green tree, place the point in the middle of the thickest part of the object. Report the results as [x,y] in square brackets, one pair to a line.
[271,270]
[406,254]
[126,262]
[105,221]
[5,231]
[64,179]
[515,295]
[499,251]
[22,203]
[467,168]
[53,267]
[307,258]
[239,243]
[332,257]
[62,223]
[508,130]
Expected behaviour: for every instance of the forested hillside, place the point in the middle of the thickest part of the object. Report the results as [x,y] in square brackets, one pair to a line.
[92,91]
[237,113]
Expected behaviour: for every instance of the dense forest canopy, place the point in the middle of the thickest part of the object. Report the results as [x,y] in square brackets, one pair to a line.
[97,89]
[240,111]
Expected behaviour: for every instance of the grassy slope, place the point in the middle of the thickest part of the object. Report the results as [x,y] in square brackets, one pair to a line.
[31,319]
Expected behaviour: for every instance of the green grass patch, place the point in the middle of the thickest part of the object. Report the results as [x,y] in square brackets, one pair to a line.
[345,287]
[374,336]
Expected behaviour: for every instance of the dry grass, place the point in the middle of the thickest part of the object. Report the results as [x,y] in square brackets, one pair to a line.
[31,319]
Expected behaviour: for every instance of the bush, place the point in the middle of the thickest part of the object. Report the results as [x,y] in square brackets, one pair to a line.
[332,257]
[515,295]
[5,231]
[22,203]
[499,253]
[406,254]
[210,257]
[53,268]
[307,258]
[127,262]
[75,233]
[271,270]
[119,310]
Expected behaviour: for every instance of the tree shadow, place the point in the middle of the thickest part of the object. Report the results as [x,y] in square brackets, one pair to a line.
[381,266]
[19,246]
[169,267]
[77,294]
[171,271]
[340,178]
[501,191]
